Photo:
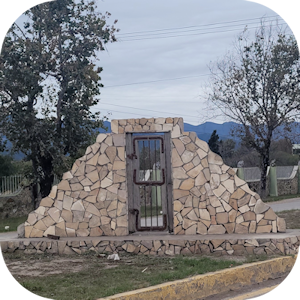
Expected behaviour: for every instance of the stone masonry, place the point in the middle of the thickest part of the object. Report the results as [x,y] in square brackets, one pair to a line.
[208,197]
[218,247]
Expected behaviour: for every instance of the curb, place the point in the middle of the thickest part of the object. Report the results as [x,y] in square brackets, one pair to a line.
[209,284]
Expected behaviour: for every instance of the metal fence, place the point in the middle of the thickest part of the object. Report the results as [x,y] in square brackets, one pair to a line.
[10,185]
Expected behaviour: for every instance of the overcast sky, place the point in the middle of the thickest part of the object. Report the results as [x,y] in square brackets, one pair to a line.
[161,41]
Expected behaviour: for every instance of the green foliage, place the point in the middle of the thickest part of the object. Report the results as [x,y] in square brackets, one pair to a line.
[49,82]
[227,150]
[258,86]
[7,166]
[280,150]
[213,142]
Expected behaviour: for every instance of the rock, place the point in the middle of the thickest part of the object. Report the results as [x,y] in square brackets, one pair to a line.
[260,207]
[187,184]
[270,215]
[114,256]
[216,229]
[264,229]
[21,230]
[204,214]
[281,225]
[222,218]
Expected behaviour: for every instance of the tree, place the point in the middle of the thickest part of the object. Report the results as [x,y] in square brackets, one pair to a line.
[49,81]
[257,86]
[6,165]
[227,150]
[213,142]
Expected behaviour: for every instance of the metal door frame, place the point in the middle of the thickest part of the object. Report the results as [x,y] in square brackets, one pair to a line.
[132,161]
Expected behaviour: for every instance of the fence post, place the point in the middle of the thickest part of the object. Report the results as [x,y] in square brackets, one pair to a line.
[273,181]
[298,178]
[240,173]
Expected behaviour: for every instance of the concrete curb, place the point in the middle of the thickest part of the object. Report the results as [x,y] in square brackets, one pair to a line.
[209,284]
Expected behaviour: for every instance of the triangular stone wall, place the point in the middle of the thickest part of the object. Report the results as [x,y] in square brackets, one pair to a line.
[208,198]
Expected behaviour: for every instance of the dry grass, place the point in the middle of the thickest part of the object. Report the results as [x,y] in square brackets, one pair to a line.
[292,218]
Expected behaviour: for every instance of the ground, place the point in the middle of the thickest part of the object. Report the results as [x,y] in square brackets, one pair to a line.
[93,276]
[292,218]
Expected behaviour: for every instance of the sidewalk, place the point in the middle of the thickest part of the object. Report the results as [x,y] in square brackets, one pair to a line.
[12,236]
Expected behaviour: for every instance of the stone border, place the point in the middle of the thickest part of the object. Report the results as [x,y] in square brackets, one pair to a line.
[201,286]
[157,246]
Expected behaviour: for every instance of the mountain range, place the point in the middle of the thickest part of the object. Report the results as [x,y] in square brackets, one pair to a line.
[203,132]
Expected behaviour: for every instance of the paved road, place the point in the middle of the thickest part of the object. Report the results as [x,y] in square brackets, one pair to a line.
[285,288]
[287,204]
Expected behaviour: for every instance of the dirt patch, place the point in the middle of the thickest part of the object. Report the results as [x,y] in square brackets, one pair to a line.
[292,218]
[39,267]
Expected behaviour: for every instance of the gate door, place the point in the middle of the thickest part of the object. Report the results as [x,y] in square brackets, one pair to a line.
[148,177]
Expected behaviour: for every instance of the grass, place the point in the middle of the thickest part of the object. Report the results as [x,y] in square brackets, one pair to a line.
[13,223]
[292,218]
[282,197]
[101,278]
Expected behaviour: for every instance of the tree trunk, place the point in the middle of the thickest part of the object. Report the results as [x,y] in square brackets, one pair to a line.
[36,198]
[47,179]
[264,168]
[43,179]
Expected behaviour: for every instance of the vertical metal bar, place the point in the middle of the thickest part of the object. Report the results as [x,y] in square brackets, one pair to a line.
[155,178]
[150,187]
[145,197]
[144,160]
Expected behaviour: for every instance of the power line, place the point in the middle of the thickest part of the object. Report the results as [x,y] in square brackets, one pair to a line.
[119,96]
[186,35]
[158,80]
[182,31]
[211,24]
[124,112]
[163,112]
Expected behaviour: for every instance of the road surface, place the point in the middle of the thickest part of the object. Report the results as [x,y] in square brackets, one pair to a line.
[285,288]
[287,204]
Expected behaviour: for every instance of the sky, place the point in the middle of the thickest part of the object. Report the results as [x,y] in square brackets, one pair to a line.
[159,66]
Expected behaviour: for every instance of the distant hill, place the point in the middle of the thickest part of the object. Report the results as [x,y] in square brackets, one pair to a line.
[203,131]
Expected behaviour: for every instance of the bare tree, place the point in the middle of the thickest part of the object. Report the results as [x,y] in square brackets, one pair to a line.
[257,86]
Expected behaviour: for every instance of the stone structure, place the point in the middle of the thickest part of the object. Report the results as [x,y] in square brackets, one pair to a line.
[169,246]
[207,196]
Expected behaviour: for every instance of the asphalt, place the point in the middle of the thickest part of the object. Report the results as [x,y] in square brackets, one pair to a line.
[287,204]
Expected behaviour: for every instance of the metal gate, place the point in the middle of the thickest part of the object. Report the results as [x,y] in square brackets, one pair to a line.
[149,184]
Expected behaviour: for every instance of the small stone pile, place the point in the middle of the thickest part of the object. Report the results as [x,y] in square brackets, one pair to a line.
[208,198]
